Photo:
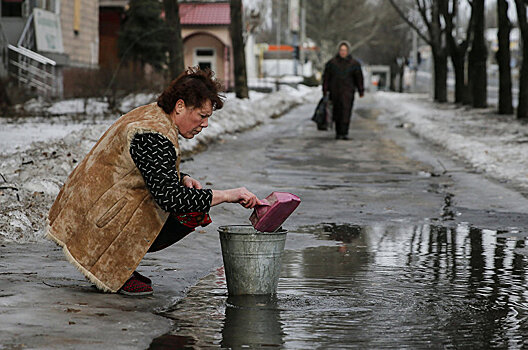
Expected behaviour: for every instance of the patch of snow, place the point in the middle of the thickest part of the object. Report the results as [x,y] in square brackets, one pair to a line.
[37,154]
[495,144]
[19,220]
[18,137]
[91,106]
[44,186]
[134,100]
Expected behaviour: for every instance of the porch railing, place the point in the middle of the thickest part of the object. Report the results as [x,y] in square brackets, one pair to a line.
[31,69]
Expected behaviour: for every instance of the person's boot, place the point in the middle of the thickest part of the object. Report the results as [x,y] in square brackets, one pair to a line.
[142,278]
[136,287]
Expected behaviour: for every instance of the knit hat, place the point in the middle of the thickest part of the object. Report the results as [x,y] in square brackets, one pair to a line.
[344,42]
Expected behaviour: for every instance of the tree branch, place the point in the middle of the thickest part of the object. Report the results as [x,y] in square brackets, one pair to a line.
[412,25]
[366,38]
[422,9]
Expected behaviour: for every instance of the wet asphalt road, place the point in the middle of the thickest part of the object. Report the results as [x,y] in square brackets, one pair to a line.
[413,249]
[375,209]
[383,174]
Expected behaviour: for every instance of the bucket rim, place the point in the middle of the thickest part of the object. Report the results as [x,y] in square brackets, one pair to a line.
[226,229]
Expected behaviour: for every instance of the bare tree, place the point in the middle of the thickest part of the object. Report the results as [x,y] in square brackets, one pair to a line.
[175,42]
[522,108]
[503,59]
[330,21]
[429,12]
[241,88]
[390,45]
[477,57]
[457,50]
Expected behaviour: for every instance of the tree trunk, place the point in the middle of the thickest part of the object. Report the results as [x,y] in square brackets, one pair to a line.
[439,53]
[456,51]
[175,42]
[503,59]
[392,84]
[440,74]
[468,97]
[401,72]
[241,88]
[477,58]
[393,74]
[5,102]
[522,108]
[458,61]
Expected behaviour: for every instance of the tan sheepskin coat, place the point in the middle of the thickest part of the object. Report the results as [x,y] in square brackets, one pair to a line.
[104,216]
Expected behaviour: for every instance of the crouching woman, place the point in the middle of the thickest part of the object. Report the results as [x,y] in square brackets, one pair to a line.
[127,197]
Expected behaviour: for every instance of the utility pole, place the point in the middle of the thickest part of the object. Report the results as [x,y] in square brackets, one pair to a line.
[303,36]
[294,26]
[278,26]
[414,58]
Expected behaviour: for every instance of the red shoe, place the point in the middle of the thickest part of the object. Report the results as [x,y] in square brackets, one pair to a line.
[142,278]
[135,287]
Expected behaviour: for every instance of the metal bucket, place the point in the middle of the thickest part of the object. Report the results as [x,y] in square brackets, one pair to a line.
[252,259]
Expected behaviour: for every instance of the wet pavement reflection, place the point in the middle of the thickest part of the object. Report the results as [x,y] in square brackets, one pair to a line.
[385,286]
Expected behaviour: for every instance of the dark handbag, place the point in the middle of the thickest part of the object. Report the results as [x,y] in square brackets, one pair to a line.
[323,114]
[319,116]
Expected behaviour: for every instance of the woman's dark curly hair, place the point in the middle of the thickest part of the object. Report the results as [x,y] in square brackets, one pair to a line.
[194,86]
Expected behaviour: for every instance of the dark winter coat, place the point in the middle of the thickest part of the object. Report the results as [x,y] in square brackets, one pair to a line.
[342,77]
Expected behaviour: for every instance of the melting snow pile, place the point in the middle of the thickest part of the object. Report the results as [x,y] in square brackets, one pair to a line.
[495,144]
[31,177]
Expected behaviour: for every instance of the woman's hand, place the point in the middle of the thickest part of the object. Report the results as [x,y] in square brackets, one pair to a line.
[236,195]
[191,183]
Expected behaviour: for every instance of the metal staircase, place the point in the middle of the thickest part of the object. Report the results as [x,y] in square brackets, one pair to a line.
[30,69]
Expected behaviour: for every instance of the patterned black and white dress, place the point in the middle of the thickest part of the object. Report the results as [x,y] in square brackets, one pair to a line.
[155,157]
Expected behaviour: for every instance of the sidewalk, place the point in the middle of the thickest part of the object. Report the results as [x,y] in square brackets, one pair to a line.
[494,144]
[45,302]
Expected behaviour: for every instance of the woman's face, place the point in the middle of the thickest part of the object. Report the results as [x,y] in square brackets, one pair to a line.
[191,120]
[343,51]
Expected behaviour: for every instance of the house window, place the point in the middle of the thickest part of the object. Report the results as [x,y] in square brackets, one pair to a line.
[205,58]
[12,8]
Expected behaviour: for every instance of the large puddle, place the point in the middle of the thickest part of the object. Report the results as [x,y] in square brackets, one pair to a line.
[380,287]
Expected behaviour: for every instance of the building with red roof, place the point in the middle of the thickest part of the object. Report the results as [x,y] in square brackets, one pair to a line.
[206,38]
[205,13]
[205,33]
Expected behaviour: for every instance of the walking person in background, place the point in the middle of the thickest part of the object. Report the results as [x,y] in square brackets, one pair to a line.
[342,76]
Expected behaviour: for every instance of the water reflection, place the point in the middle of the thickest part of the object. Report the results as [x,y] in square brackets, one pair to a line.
[380,287]
[171,341]
[252,321]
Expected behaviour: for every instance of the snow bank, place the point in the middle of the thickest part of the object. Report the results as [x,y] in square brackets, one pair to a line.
[30,178]
[73,106]
[492,143]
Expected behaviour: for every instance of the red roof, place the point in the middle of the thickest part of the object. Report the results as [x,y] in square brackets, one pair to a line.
[205,13]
